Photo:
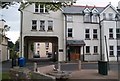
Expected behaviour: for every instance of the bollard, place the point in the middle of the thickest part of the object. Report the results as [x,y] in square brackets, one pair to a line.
[59,67]
[35,67]
[79,64]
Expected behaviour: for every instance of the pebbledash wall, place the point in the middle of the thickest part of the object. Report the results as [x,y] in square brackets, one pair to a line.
[81,28]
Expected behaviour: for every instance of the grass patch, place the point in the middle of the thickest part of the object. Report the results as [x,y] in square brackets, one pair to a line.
[4,75]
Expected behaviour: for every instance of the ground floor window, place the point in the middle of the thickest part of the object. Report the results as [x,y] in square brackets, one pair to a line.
[111,50]
[118,50]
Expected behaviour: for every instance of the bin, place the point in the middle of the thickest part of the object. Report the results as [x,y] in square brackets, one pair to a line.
[21,61]
[103,67]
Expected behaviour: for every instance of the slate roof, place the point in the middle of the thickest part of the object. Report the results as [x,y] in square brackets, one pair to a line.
[79,9]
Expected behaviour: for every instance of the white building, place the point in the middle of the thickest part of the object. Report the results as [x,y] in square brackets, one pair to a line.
[77,32]
[41,25]
[4,52]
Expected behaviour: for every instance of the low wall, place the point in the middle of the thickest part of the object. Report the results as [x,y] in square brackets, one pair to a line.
[92,57]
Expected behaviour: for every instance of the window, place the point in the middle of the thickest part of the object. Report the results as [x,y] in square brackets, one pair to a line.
[69,18]
[42,25]
[111,33]
[38,46]
[95,36]
[38,52]
[87,18]
[40,8]
[36,8]
[47,45]
[87,49]
[87,34]
[104,16]
[111,50]
[118,50]
[118,33]
[34,24]
[95,49]
[110,16]
[94,18]
[50,25]
[69,32]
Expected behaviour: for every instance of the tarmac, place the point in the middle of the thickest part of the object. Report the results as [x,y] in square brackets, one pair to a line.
[91,74]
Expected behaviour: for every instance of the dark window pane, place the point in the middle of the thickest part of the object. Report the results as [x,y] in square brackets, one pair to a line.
[87,31]
[87,49]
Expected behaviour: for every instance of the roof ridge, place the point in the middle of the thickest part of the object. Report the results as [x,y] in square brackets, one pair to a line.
[88,6]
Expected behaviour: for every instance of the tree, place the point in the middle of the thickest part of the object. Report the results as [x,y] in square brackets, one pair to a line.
[10,44]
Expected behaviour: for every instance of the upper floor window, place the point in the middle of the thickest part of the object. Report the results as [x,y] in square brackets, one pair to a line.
[87,49]
[118,33]
[70,32]
[95,49]
[104,16]
[87,34]
[69,18]
[34,24]
[111,50]
[118,50]
[110,16]
[40,8]
[94,18]
[111,33]
[42,25]
[50,25]
[87,17]
[95,36]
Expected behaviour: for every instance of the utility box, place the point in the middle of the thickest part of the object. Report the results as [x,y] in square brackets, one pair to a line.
[103,67]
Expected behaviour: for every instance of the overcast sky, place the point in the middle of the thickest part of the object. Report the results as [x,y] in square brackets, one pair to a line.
[12,15]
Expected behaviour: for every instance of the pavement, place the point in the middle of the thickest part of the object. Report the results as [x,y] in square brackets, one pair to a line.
[83,74]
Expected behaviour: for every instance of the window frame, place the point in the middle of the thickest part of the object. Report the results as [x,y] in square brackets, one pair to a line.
[95,49]
[70,33]
[111,34]
[42,25]
[118,33]
[69,18]
[87,18]
[50,25]
[110,16]
[87,49]
[95,34]
[118,51]
[87,34]
[34,24]
[111,51]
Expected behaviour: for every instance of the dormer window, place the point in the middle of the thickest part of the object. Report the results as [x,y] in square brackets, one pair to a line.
[87,17]
[40,8]
[95,18]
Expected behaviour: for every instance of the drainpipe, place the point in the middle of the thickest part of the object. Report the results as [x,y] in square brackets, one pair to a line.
[66,36]
[21,23]
[100,38]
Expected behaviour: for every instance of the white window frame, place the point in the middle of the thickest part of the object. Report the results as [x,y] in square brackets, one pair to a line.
[71,32]
[110,16]
[87,33]
[94,18]
[95,49]
[88,51]
[118,33]
[95,34]
[111,34]
[111,51]
[87,17]
[69,18]
[50,25]
[39,11]
[118,51]
[42,25]
[34,25]
[104,15]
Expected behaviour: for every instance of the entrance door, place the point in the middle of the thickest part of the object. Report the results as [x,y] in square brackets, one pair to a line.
[75,53]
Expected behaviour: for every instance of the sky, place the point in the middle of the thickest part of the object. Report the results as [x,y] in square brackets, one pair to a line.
[12,15]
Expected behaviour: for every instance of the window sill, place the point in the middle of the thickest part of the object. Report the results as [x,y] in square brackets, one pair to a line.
[95,54]
[95,39]
[42,30]
[33,30]
[40,13]
[88,54]
[111,38]
[87,22]
[111,56]
[49,30]
[94,22]
[87,39]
